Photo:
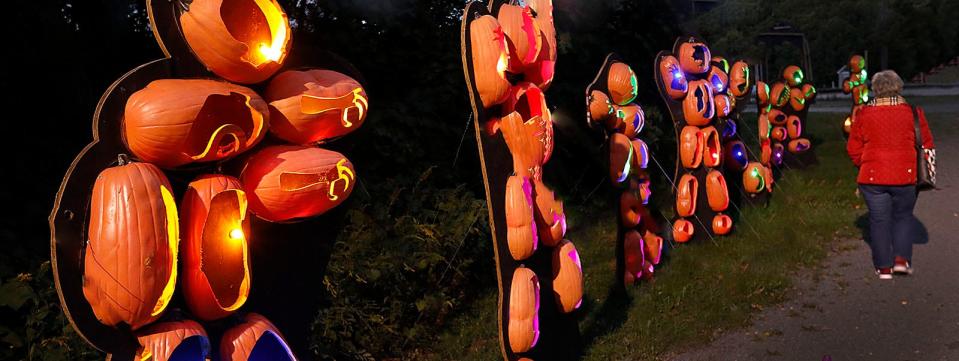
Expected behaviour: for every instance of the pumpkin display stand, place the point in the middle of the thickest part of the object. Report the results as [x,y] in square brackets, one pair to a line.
[287,260]
[796,110]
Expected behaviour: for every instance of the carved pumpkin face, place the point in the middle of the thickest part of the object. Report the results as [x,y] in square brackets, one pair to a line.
[216,230]
[673,77]
[694,57]
[754,178]
[224,120]
[315,106]
[600,108]
[778,134]
[243,41]
[629,209]
[528,101]
[724,105]
[622,84]
[712,147]
[691,147]
[549,215]
[490,60]
[521,233]
[793,75]
[809,92]
[687,194]
[634,250]
[567,277]
[800,145]
[179,340]
[698,107]
[857,63]
[654,247]
[721,63]
[762,92]
[288,182]
[722,224]
[777,117]
[541,72]
[739,79]
[797,100]
[523,38]
[256,338]
[620,158]
[716,191]
[523,328]
[779,94]
[633,119]
[683,230]
[736,157]
[718,79]
[640,154]
[794,127]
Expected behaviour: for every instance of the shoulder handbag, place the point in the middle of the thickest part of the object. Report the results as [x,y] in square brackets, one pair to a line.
[926,160]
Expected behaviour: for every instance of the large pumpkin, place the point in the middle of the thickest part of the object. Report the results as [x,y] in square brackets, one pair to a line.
[621,83]
[736,157]
[130,261]
[172,122]
[541,71]
[634,249]
[630,207]
[722,224]
[779,94]
[739,79]
[694,57]
[243,41]
[521,233]
[600,108]
[673,77]
[314,106]
[754,178]
[289,182]
[527,100]
[683,230]
[698,107]
[567,277]
[716,191]
[523,38]
[523,326]
[175,340]
[216,231]
[255,338]
[793,75]
[633,119]
[549,214]
[712,147]
[620,158]
[490,60]
[718,79]
[687,194]
[691,144]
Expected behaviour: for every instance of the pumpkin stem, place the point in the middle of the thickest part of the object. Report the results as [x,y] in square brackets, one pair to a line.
[123,159]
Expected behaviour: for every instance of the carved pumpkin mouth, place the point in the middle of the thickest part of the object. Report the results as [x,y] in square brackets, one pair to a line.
[297,181]
[211,138]
[259,24]
[225,249]
[173,236]
[310,104]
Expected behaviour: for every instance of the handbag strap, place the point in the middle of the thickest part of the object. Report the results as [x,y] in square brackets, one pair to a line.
[915,118]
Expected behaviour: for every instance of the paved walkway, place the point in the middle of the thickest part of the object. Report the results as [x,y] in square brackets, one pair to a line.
[848,314]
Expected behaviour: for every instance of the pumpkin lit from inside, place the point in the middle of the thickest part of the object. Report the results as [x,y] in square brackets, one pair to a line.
[809,91]
[130,260]
[175,340]
[698,106]
[621,83]
[490,59]
[691,147]
[243,41]
[797,100]
[673,77]
[687,193]
[216,264]
[718,79]
[521,234]
[255,338]
[640,154]
[567,277]
[712,147]
[724,105]
[633,119]
[315,106]
[793,75]
[777,117]
[683,230]
[754,178]
[523,38]
[523,327]
[722,224]
[694,57]
[778,133]
[739,79]
[779,94]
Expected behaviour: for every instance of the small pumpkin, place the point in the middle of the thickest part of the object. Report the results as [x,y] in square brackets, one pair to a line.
[175,340]
[640,154]
[683,230]
[599,106]
[172,122]
[490,59]
[687,195]
[777,117]
[857,63]
[315,106]
[523,38]
[799,145]
[549,214]
[673,77]
[797,100]
[691,144]
[241,41]
[793,75]
[794,127]
[654,247]
[698,106]
[621,83]
[634,249]
[712,147]
[722,224]
[130,260]
[716,191]
[778,134]
[521,236]
[541,72]
[620,158]
[736,157]
[718,79]
[567,277]
[694,57]
[630,207]
[809,92]
[255,338]
[779,94]
[523,326]
[739,79]
[754,178]
[633,119]
[291,182]
[762,92]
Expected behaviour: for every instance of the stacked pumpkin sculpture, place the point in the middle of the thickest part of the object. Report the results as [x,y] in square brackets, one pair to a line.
[215,97]
[693,89]
[610,106]
[735,154]
[509,52]
[782,109]
[857,85]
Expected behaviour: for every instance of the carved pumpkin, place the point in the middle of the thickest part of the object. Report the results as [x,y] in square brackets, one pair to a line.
[634,256]
[130,262]
[541,72]
[716,191]
[692,142]
[762,92]
[718,79]
[739,79]
[173,122]
[621,83]
[314,106]
[763,126]
[698,107]
[779,94]
[722,224]
[630,207]
[860,95]
[615,123]
[633,119]
[694,57]
[600,108]
[777,117]
[687,194]
[620,158]
[809,92]
[673,77]
[178,340]
[797,100]
[793,75]
[777,154]
[521,233]
[778,133]
[736,157]
[216,230]
[754,178]
[549,214]
[765,151]
[256,338]
[794,127]
[523,327]
[528,101]
[641,187]
[490,60]
[523,38]
[567,277]
[857,63]
[242,41]
[683,230]
[729,129]
[721,63]
[800,145]
[847,86]
[654,247]
[640,154]
[289,182]
[712,147]
[724,105]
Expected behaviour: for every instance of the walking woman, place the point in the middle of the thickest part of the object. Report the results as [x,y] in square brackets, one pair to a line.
[883,145]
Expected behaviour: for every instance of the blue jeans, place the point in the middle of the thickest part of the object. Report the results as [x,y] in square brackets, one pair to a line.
[890,221]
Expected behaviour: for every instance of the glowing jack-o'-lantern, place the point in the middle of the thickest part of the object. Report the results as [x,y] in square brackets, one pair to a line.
[640,154]
[809,92]
[857,63]
[216,229]
[654,247]
[860,94]
[289,182]
[777,154]
[698,107]
[523,327]
[549,215]
[634,250]
[777,117]
[779,94]
[694,57]
[521,230]
[173,122]
[256,338]
[724,105]
[736,157]
[523,38]
[600,107]
[528,101]
[712,147]
[630,207]
[793,75]
[797,100]
[683,230]
[567,277]
[762,92]
[314,106]
[739,79]
[691,147]
[721,63]
[722,224]
[778,133]
[718,79]
[130,261]
[243,41]
[541,72]
[800,145]
[716,191]
[794,127]
[763,126]
[177,340]
[633,119]
[622,84]
[673,77]
[620,157]
[687,193]
[754,178]
[490,59]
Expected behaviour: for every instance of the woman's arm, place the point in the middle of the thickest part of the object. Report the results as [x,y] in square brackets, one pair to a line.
[924,130]
[855,143]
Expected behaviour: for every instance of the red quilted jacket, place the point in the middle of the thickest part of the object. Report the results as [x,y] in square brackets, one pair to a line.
[883,144]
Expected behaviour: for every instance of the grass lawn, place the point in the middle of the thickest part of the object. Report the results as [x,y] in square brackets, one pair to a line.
[703,288]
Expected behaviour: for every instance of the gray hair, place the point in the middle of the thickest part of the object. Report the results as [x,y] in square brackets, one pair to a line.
[886,83]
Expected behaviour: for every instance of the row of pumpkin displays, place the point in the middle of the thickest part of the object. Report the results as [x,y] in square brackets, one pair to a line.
[611,106]
[141,244]
[782,108]
[857,86]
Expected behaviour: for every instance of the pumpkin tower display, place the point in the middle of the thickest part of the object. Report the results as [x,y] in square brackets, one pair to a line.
[856,85]
[509,53]
[737,87]
[194,126]
[782,111]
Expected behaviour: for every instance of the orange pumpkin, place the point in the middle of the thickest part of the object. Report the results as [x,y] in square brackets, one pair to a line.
[777,117]
[630,207]
[616,122]
[857,63]
[241,41]
[698,107]
[290,182]
[654,247]
[765,151]
[739,79]
[793,75]
[541,72]
[620,158]
[720,62]
[521,233]
[523,38]
[794,127]
[634,256]
[524,140]
[694,57]
[633,119]
[216,230]
[600,108]
[643,191]
[860,94]
[523,327]
[315,106]
[754,178]
[567,277]
[800,145]
[777,153]
[779,94]
[847,86]
[172,122]
[722,224]
[778,133]
[683,230]
[797,100]
[640,154]
[130,261]
[176,340]
[712,147]
[763,126]
[770,179]
[736,156]
[718,79]
[490,60]
[724,105]
[621,83]
[762,92]
[528,101]
[809,91]
[673,77]
[549,214]
[716,191]
[255,338]
[691,144]
[687,194]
